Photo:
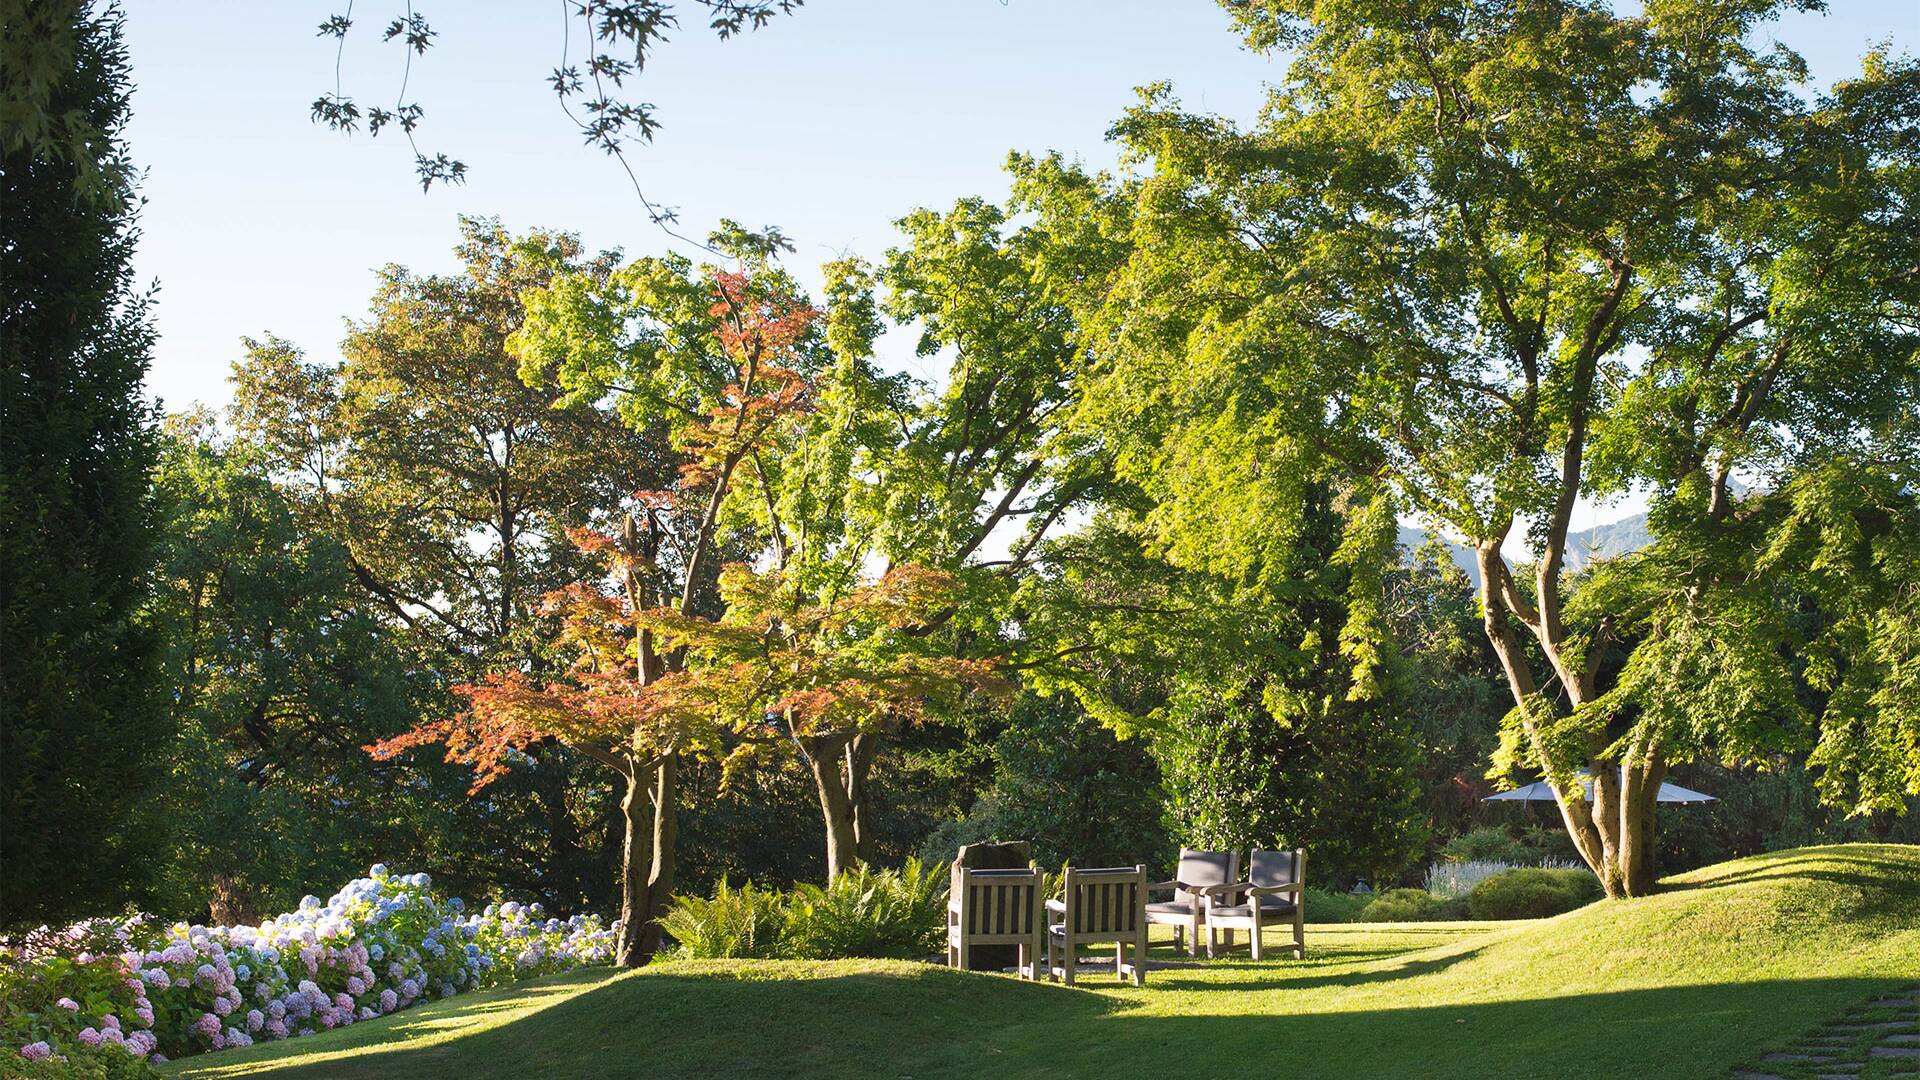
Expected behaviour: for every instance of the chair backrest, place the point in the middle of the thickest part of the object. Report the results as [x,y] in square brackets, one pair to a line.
[1270,868]
[1110,900]
[1207,867]
[998,903]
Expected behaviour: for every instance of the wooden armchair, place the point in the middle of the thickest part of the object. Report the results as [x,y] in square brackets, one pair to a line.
[1270,896]
[1098,906]
[1200,876]
[996,907]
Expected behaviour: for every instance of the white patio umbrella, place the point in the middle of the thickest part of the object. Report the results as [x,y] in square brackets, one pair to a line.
[1539,791]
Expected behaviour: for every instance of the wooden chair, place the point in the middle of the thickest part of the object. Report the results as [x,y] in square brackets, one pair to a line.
[1099,906]
[1200,875]
[996,907]
[1269,897]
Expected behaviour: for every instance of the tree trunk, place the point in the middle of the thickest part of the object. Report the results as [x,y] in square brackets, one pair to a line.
[628,948]
[666,840]
[824,758]
[860,754]
[1612,831]
[651,827]
[1641,796]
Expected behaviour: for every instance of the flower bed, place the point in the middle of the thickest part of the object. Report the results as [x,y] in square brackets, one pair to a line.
[380,944]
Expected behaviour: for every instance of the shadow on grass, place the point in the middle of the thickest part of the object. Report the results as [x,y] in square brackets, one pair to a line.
[671,1021]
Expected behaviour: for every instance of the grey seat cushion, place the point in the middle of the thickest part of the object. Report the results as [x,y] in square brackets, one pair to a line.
[1269,905]
[1177,907]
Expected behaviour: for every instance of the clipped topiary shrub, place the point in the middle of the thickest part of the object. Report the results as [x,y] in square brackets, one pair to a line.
[1411,905]
[1532,894]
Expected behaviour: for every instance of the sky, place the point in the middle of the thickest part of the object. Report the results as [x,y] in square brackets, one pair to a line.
[830,123]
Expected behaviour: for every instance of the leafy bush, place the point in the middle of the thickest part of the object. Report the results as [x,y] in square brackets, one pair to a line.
[1411,905]
[1333,906]
[380,944]
[1455,880]
[744,922]
[1532,893]
[81,1063]
[863,912]
[1529,845]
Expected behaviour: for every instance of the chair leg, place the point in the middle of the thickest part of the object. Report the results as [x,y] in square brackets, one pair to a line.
[1140,959]
[1120,960]
[963,954]
[1193,938]
[1299,934]
[1254,940]
[1067,961]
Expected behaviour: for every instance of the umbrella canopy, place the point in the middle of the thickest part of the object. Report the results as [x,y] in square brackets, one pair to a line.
[1539,791]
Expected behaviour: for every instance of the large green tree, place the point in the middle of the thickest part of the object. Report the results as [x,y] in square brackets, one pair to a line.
[1499,257]
[83,724]
[448,484]
[278,670]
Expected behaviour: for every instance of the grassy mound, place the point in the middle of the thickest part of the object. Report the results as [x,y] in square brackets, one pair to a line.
[1727,962]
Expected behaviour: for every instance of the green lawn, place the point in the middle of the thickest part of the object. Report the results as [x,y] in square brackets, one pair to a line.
[1727,962]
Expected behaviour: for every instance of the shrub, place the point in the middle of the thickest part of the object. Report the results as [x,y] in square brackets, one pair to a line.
[82,1063]
[863,912]
[1410,905]
[380,944]
[1455,880]
[742,922]
[1332,906]
[1532,893]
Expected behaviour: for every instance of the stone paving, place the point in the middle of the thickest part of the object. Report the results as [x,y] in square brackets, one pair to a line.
[1874,1041]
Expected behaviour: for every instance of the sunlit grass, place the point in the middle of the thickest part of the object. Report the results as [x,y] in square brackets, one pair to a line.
[1728,961]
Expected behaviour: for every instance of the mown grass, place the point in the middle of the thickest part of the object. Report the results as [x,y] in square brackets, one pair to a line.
[1725,963]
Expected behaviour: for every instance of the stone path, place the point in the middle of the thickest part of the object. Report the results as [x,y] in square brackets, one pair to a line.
[1868,1042]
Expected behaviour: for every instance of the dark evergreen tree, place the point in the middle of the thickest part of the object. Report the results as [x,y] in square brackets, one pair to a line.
[82,719]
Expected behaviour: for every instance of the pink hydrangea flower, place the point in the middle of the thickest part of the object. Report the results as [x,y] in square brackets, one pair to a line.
[89,1036]
[389,1001]
[36,1051]
[222,1006]
[69,1004]
[255,1019]
[110,1021]
[208,1025]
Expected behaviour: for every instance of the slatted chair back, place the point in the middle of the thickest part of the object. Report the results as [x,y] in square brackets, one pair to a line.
[1109,903]
[999,906]
[1099,906]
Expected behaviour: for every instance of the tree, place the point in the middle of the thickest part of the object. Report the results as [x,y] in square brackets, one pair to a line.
[448,483]
[720,359]
[278,670]
[1502,257]
[84,725]
[823,670]
[627,31]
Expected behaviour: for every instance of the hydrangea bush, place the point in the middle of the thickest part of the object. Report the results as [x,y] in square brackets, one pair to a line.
[380,944]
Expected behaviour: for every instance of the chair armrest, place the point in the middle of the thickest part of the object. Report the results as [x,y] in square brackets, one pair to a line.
[1164,886]
[1273,890]
[1225,888]
[1058,907]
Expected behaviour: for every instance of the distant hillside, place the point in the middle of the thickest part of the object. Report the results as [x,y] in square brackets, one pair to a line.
[1607,541]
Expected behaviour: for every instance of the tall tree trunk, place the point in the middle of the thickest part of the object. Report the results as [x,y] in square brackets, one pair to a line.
[1641,794]
[825,756]
[628,947]
[666,839]
[860,754]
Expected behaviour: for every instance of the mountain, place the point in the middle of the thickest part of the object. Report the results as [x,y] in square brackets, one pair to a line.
[1615,538]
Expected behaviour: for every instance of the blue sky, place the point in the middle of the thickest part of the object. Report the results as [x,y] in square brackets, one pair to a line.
[830,123]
